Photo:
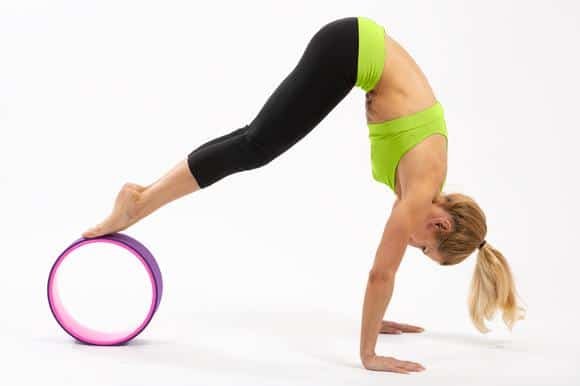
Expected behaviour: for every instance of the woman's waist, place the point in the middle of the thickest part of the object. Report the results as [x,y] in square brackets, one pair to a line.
[386,105]
[408,118]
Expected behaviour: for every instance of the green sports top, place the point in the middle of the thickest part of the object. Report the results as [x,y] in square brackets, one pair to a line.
[391,139]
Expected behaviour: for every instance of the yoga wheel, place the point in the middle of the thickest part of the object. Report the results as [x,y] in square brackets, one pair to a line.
[141,272]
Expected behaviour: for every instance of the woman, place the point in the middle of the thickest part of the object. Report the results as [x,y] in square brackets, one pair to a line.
[408,153]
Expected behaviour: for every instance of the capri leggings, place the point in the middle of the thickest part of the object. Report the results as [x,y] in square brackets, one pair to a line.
[324,75]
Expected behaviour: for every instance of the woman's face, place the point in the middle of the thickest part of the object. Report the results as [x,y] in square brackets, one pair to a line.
[424,237]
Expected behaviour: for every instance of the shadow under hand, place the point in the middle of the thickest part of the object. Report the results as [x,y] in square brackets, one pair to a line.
[472,340]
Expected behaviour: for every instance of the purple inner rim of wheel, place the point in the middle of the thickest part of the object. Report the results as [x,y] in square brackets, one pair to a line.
[84,333]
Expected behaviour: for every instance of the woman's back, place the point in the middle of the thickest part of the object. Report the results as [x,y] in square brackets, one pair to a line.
[403,88]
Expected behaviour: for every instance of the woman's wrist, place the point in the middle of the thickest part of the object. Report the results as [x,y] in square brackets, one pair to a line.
[365,355]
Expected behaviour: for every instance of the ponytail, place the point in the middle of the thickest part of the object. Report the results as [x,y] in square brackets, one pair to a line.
[492,288]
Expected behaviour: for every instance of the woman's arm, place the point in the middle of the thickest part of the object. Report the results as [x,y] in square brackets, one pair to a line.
[405,217]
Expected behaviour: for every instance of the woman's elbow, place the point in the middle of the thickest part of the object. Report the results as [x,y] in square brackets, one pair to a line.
[381,276]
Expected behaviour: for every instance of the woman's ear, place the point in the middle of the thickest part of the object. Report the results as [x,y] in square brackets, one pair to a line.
[442,223]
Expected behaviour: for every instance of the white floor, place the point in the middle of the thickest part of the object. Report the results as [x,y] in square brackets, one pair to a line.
[266,348]
[282,346]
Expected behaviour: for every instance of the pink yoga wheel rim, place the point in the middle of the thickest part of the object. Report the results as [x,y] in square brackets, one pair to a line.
[86,334]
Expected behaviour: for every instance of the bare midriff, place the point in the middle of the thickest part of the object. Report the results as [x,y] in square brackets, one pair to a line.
[402,90]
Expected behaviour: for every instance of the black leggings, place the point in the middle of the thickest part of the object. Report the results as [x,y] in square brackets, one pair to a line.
[325,74]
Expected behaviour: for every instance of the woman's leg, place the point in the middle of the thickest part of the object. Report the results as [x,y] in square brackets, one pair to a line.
[322,78]
[324,75]
[134,201]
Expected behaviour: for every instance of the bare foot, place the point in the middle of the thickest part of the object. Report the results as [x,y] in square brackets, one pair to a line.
[127,211]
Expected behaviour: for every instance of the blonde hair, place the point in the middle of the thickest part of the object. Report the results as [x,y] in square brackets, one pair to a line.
[492,285]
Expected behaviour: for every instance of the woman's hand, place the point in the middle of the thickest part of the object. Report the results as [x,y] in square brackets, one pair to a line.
[379,363]
[389,327]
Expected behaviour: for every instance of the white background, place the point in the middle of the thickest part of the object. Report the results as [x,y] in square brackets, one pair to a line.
[265,271]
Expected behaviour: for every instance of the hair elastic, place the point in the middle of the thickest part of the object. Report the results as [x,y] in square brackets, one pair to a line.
[482,244]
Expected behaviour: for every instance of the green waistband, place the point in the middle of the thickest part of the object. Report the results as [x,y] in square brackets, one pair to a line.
[371,53]
[407,122]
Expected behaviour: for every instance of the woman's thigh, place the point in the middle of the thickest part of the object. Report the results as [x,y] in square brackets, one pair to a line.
[324,75]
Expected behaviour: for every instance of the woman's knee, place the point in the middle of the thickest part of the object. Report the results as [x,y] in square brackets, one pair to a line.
[257,154]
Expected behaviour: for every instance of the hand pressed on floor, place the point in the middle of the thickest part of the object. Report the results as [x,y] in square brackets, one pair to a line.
[390,327]
[380,363]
